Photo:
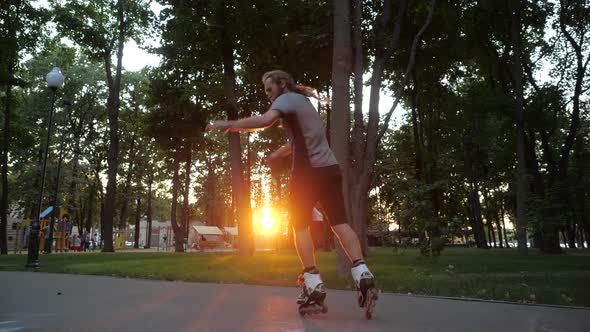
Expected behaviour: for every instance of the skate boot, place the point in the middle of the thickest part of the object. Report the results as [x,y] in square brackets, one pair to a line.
[312,296]
[365,286]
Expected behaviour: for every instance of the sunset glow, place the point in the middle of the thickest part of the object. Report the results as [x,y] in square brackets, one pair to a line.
[265,222]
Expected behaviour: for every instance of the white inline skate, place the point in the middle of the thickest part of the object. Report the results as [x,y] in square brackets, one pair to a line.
[365,286]
[312,296]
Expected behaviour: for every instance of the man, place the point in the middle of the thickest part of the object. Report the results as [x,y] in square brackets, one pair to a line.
[315,177]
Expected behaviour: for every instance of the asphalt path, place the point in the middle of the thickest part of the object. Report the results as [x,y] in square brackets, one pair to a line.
[32,301]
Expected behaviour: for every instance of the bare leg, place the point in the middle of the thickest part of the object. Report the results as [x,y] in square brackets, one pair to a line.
[304,245]
[349,241]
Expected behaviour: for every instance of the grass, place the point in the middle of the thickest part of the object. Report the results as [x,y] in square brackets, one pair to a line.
[484,274]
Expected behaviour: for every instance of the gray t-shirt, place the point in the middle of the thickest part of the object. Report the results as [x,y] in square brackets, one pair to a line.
[305,131]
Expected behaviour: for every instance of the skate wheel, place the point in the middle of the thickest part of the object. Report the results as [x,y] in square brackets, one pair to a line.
[302,312]
[373,295]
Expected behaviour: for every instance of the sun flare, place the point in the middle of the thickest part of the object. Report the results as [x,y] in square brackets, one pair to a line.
[266,223]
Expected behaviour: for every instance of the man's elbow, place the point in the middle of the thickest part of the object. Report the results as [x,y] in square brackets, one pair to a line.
[268,122]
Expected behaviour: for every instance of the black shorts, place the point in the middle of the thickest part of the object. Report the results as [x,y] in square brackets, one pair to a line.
[313,185]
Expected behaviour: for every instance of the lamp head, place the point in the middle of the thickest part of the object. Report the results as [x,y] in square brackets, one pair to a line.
[55,79]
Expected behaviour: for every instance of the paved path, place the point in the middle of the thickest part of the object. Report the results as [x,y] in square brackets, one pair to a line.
[58,302]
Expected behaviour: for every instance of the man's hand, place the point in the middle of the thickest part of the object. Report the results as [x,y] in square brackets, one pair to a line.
[275,157]
[221,125]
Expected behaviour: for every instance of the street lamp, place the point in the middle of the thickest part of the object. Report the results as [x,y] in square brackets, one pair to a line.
[54,202]
[55,80]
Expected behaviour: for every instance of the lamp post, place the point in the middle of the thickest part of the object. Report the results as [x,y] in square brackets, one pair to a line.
[55,80]
[54,201]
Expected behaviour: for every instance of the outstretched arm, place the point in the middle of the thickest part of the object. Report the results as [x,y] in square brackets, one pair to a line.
[246,124]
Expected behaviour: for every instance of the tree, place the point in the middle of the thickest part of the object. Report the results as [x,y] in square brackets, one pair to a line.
[239,189]
[102,29]
[176,121]
[21,28]
[366,137]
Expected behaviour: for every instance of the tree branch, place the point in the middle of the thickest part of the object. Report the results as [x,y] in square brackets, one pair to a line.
[359,126]
[409,68]
[567,34]
[396,30]
[529,74]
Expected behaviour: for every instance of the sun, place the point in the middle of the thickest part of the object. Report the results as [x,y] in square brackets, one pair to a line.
[266,223]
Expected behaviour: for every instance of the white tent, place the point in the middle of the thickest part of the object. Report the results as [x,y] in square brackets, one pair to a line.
[206,236]
[233,231]
[208,230]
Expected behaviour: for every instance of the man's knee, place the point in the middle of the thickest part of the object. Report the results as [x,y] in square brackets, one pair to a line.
[342,228]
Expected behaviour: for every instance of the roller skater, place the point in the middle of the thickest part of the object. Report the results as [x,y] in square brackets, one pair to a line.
[315,177]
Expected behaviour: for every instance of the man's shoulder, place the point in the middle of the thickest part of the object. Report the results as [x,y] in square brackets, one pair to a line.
[291,97]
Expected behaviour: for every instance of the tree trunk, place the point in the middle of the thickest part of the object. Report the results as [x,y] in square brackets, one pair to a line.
[521,222]
[239,190]
[113,102]
[504,225]
[490,218]
[418,165]
[5,147]
[475,213]
[340,114]
[328,122]
[211,206]
[77,151]
[187,182]
[365,146]
[127,188]
[570,232]
[499,228]
[177,229]
[359,220]
[137,223]
[564,238]
[149,211]
[491,231]
[374,135]
[90,204]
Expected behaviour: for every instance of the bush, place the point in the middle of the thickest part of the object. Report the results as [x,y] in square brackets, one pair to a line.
[432,247]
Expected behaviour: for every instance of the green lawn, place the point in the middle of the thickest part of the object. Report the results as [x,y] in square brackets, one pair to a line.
[486,274]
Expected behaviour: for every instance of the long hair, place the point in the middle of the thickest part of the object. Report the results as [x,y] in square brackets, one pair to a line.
[278,76]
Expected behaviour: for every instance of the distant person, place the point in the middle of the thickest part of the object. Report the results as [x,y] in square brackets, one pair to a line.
[45,246]
[77,241]
[315,177]
[94,241]
[86,241]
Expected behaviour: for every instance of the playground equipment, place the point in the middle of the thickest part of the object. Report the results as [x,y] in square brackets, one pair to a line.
[61,230]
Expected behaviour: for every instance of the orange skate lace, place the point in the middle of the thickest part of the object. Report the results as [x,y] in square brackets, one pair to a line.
[300,280]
